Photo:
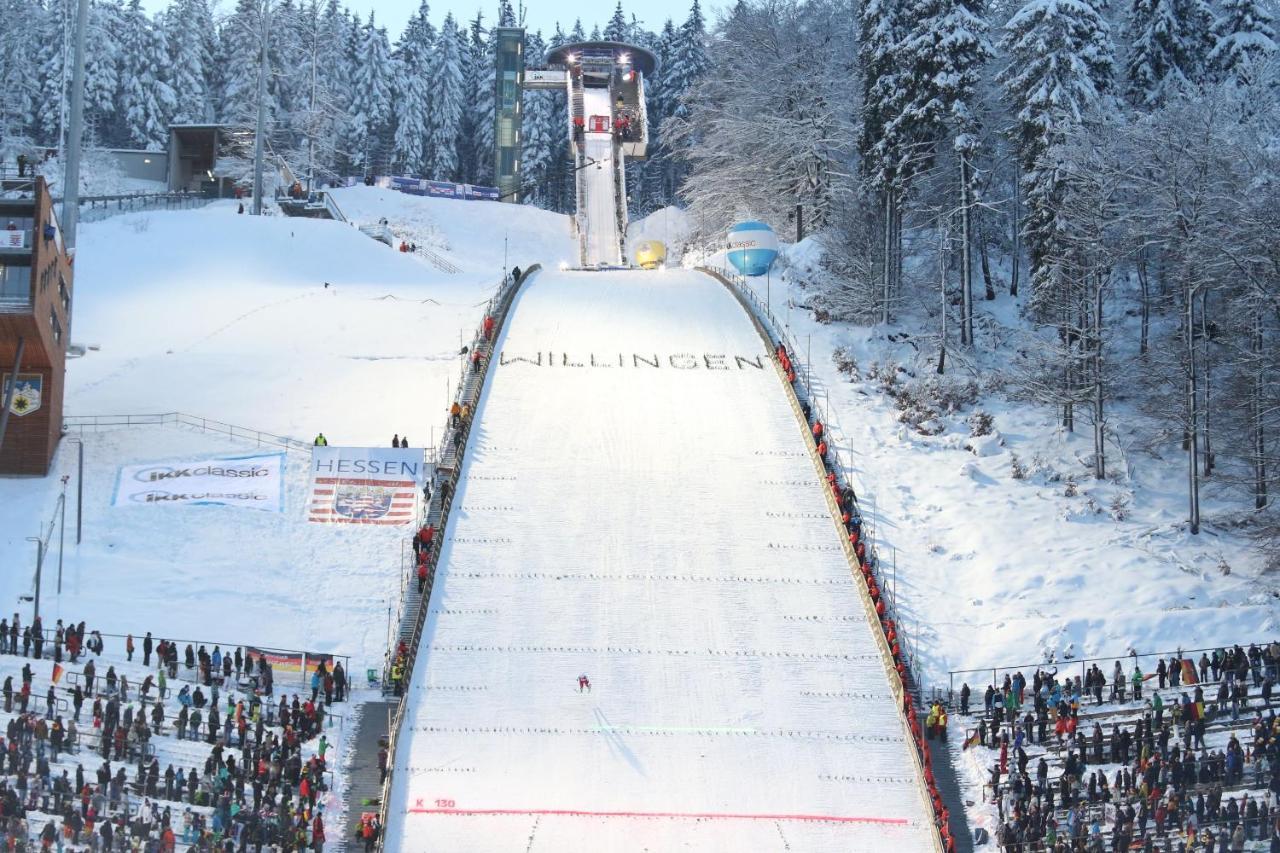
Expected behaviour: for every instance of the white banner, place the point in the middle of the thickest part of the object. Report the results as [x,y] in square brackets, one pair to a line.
[14,239]
[255,482]
[365,485]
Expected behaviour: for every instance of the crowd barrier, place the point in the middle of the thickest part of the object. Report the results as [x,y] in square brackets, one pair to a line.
[81,423]
[858,550]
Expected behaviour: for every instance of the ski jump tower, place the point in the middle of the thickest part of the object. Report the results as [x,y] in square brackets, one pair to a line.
[608,125]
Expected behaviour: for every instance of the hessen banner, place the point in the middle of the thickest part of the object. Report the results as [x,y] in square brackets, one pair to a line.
[365,485]
[254,482]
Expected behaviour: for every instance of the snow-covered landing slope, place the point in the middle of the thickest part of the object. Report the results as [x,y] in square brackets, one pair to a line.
[638,506]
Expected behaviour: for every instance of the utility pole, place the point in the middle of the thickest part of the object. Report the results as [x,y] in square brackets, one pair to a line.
[62,528]
[39,568]
[262,110]
[71,178]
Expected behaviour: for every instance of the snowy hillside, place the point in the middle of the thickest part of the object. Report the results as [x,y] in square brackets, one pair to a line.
[480,237]
[1007,551]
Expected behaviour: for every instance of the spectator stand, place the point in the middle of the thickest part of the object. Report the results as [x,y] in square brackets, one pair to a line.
[137,793]
[1120,771]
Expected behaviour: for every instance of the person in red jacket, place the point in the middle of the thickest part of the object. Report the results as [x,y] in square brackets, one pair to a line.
[488,327]
[422,540]
[422,577]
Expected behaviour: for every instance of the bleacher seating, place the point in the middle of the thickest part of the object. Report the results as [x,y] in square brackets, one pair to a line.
[116,759]
[1183,758]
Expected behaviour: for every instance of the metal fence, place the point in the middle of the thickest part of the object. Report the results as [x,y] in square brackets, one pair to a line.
[95,208]
[93,423]
[1147,662]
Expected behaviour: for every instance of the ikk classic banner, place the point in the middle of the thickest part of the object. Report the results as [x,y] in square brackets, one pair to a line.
[254,482]
[365,485]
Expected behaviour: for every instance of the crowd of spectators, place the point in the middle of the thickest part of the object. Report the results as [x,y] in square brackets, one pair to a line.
[1185,757]
[198,751]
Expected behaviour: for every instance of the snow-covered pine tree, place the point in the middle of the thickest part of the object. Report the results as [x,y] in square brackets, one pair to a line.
[333,69]
[880,32]
[444,123]
[241,37]
[478,168]
[371,89]
[1170,42]
[183,24]
[147,100]
[53,73]
[102,73]
[1060,70]
[18,74]
[413,86]
[617,29]
[942,54]
[1246,40]
[688,63]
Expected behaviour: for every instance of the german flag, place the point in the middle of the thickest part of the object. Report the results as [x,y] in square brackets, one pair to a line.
[57,672]
[972,740]
[1189,673]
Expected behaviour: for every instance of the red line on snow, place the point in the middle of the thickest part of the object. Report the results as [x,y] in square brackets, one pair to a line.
[897,821]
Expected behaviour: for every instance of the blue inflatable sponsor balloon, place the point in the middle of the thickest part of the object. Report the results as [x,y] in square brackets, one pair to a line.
[752,247]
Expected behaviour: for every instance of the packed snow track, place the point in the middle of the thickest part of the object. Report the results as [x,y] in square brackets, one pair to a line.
[637,505]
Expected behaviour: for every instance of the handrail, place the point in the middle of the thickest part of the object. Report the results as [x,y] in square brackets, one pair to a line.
[1132,654]
[82,422]
[98,207]
[896,685]
[499,307]
[331,205]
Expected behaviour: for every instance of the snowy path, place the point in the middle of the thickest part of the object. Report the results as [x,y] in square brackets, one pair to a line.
[602,217]
[661,529]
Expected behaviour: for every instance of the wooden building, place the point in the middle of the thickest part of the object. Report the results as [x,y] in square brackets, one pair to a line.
[35,326]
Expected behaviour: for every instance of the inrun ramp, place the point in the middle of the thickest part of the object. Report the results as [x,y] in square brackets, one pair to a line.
[638,505]
[603,245]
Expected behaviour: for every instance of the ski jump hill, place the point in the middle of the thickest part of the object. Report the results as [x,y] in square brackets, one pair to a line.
[638,504]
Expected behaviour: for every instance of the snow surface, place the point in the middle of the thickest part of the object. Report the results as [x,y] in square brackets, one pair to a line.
[668,225]
[603,245]
[238,304]
[663,531]
[482,237]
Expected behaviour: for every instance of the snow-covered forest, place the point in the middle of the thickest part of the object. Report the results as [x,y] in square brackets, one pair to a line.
[342,94]
[1114,167]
